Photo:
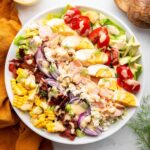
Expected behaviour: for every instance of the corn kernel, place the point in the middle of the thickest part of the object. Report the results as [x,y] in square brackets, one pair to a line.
[50,114]
[22,74]
[29,83]
[41,102]
[32,94]
[50,126]
[40,121]
[17,88]
[22,102]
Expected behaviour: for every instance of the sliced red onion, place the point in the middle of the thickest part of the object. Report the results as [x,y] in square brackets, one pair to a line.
[72,97]
[39,57]
[54,83]
[88,131]
[91,132]
[55,74]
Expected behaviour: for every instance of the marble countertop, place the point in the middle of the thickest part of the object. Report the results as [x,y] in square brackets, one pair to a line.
[124,139]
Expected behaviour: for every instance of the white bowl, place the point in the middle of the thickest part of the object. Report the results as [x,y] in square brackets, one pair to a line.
[55,137]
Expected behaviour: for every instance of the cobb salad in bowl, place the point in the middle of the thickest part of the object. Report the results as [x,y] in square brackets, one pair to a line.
[75,72]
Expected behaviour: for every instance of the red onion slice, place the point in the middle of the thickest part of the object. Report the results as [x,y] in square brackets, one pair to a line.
[88,131]
[54,83]
[39,57]
[72,97]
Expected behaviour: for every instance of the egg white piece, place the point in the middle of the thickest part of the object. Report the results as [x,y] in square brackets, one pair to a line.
[93,69]
[126,98]
[55,22]
[71,41]
[84,54]
[109,83]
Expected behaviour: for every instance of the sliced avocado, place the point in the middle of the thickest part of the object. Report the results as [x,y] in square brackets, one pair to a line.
[129,59]
[132,47]
[136,70]
[136,58]
[124,60]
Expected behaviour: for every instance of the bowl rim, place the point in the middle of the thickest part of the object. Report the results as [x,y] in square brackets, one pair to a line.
[36,17]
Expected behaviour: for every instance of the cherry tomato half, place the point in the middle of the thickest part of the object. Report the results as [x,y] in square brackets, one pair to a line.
[109,58]
[70,14]
[124,72]
[81,24]
[103,38]
[130,85]
[100,36]
[94,35]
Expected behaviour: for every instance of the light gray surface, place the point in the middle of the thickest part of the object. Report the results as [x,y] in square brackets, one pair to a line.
[124,139]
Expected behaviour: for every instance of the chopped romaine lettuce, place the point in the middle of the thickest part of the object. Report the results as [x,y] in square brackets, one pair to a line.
[56,15]
[118,42]
[106,21]
[18,40]
[31,33]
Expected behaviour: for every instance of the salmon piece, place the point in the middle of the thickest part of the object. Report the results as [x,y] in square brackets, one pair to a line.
[118,113]
[77,63]
[99,104]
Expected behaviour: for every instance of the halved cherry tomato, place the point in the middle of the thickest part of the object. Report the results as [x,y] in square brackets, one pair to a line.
[124,72]
[109,58]
[104,38]
[81,24]
[75,23]
[70,14]
[130,85]
[94,35]
[100,36]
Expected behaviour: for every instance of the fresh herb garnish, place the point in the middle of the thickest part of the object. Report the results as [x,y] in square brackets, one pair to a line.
[43,93]
[52,68]
[141,124]
[80,133]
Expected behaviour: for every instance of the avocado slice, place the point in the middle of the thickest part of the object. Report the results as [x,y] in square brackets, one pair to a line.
[136,70]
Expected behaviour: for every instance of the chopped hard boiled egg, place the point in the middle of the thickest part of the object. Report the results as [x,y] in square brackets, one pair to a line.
[102,71]
[125,98]
[109,83]
[77,42]
[55,22]
[91,56]
[93,16]
[58,26]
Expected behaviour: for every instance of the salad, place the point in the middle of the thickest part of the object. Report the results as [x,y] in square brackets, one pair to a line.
[75,72]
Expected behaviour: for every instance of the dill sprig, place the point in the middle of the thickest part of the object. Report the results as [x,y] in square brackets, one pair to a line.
[141,124]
